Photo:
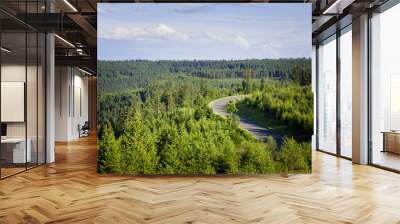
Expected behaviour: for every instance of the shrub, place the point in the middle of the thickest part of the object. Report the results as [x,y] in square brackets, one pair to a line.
[294,156]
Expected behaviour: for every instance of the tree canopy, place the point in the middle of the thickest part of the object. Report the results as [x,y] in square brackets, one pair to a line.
[153,116]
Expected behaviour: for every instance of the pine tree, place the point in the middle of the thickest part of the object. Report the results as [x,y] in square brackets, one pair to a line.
[110,156]
[262,86]
[138,146]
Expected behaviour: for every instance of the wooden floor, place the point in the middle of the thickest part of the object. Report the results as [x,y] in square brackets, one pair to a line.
[70,191]
[387,159]
[5,172]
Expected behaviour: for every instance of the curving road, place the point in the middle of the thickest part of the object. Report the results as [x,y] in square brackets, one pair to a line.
[259,132]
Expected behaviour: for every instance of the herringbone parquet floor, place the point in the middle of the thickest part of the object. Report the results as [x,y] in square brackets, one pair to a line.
[70,191]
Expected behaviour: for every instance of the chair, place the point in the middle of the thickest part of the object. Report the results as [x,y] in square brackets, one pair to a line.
[84,130]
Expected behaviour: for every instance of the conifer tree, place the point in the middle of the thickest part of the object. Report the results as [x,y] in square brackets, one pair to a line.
[110,154]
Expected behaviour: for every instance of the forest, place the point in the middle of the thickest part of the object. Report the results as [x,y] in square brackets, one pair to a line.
[128,74]
[153,116]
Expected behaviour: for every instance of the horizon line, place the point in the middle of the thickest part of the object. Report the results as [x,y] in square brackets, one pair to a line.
[247,59]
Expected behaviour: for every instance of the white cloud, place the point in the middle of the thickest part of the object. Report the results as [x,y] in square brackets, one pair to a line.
[271,45]
[271,48]
[230,39]
[215,37]
[159,31]
[163,30]
[243,42]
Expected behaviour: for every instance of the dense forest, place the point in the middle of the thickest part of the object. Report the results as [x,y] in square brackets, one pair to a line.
[153,117]
[113,106]
[118,75]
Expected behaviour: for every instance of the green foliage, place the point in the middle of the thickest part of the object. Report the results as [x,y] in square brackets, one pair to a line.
[138,146]
[109,152]
[163,95]
[289,102]
[255,158]
[271,142]
[117,75]
[161,123]
[247,86]
[187,140]
[301,74]
[295,157]
[262,85]
[231,107]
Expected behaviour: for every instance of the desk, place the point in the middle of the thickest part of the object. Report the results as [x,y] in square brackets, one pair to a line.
[391,141]
[13,150]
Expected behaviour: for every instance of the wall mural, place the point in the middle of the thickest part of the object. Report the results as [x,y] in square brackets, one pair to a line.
[204,88]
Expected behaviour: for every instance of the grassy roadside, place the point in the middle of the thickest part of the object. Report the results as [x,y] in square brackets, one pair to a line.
[269,122]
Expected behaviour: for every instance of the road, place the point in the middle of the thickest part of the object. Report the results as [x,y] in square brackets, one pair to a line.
[259,132]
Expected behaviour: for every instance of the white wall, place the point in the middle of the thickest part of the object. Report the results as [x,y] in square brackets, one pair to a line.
[12,73]
[33,126]
[71,87]
[62,82]
[80,93]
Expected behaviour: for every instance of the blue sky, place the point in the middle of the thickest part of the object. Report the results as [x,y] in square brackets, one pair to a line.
[203,31]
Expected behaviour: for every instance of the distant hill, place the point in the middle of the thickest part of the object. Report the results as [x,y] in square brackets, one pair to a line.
[117,75]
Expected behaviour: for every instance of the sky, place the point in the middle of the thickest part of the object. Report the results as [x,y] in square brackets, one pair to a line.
[194,31]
